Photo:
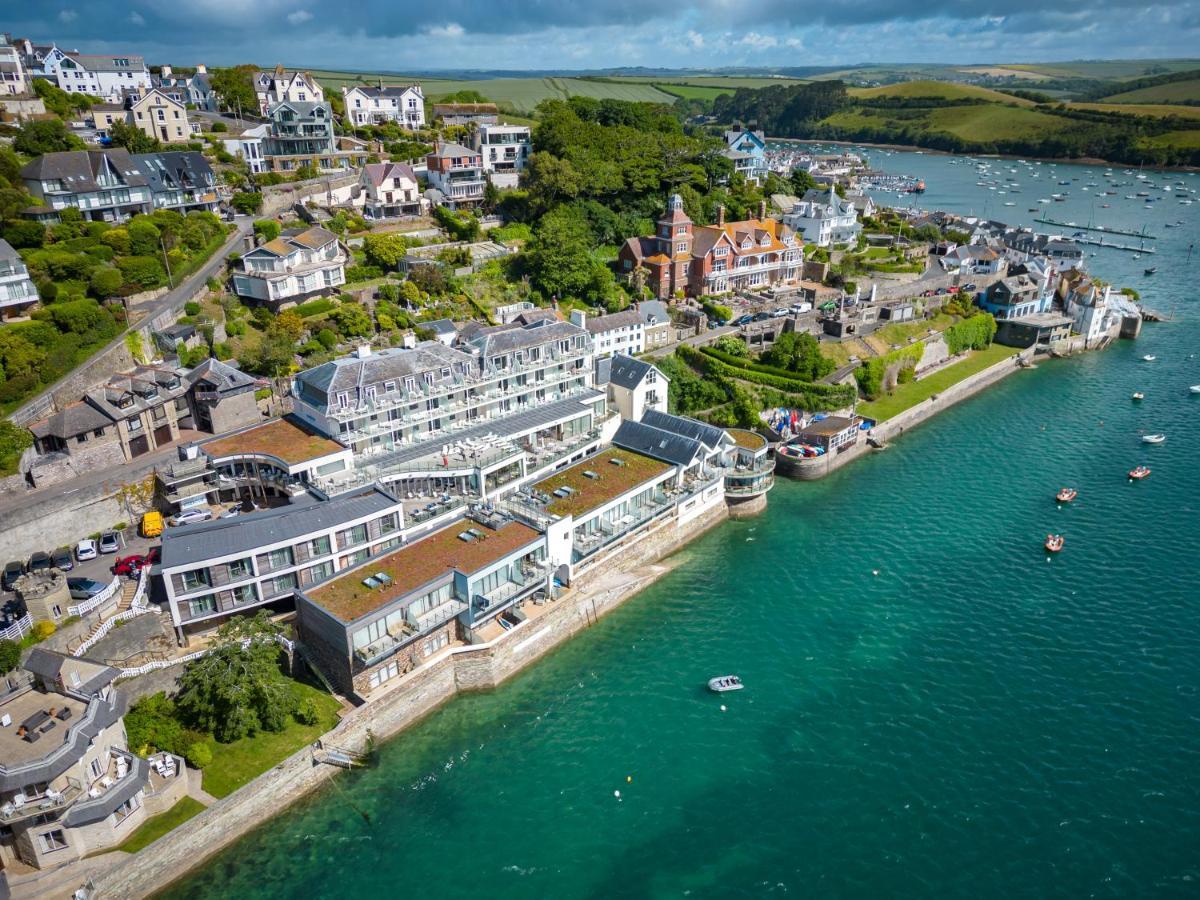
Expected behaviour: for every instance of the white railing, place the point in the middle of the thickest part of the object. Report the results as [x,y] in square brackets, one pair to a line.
[97,601]
[283,642]
[17,629]
[138,607]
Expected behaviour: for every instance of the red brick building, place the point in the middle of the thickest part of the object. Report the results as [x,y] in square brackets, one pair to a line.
[712,259]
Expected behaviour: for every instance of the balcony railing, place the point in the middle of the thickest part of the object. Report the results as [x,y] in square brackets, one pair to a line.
[45,804]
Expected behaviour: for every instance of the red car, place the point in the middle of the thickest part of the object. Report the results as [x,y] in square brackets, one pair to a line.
[133,565]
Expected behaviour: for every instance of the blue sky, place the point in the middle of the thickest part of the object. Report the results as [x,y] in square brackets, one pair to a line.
[588,34]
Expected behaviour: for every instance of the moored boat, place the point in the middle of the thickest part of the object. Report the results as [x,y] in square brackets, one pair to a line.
[1138,395]
[1149,357]
[1195,389]
[723,683]
[1054,543]
[1066,495]
[1139,472]
[1153,438]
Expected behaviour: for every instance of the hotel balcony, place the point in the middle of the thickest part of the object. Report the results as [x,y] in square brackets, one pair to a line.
[750,481]
[46,803]
[589,544]
[413,628]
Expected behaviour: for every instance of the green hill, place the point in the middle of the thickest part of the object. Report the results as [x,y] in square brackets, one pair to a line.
[944,90]
[1175,92]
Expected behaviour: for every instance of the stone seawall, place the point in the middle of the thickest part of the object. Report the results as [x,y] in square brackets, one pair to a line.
[414,696]
[968,387]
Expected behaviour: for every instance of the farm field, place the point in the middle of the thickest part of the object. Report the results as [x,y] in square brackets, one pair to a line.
[521,94]
[1160,93]
[991,122]
[1116,69]
[942,89]
[708,81]
[1157,110]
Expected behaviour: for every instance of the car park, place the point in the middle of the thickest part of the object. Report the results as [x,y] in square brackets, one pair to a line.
[110,542]
[12,572]
[84,588]
[190,516]
[40,562]
[85,550]
[62,559]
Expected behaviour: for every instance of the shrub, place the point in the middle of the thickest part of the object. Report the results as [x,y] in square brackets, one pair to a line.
[106,282]
[192,308]
[43,630]
[306,712]
[327,338]
[10,655]
[199,755]
[267,229]
[142,271]
[218,127]
[362,273]
[314,307]
[247,203]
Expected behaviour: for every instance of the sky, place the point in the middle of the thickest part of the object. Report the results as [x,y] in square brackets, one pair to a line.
[407,36]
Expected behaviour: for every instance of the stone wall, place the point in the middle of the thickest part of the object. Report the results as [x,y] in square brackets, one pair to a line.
[278,198]
[414,696]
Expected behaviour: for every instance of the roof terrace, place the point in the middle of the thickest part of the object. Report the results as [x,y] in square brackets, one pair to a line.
[597,480]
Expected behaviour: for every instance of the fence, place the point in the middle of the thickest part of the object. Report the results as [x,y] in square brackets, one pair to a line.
[157,664]
[17,629]
[96,602]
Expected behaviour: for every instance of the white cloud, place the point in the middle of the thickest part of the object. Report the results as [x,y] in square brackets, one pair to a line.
[758,41]
[299,17]
[67,16]
[695,40]
[136,18]
[450,30]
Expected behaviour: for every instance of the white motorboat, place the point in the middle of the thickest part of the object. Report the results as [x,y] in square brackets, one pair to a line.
[1195,389]
[723,683]
[1153,438]
[1149,357]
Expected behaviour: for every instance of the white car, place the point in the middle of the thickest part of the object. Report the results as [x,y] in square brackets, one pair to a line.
[85,549]
[192,515]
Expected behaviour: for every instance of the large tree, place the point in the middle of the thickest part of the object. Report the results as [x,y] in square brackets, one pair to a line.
[238,689]
[133,138]
[45,136]
[559,256]
[235,88]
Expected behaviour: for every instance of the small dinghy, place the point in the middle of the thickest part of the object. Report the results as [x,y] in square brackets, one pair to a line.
[1138,473]
[1149,357]
[1054,543]
[1138,395]
[723,683]
[1195,389]
[1066,495]
[1153,438]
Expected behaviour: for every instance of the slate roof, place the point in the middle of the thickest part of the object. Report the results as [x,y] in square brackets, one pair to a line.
[627,372]
[465,109]
[176,170]
[387,90]
[626,318]
[656,310]
[80,735]
[350,372]
[709,435]
[221,376]
[57,670]
[642,247]
[92,810]
[654,442]
[96,63]
[189,545]
[8,254]
[513,339]
[76,418]
[286,244]
[77,169]
[378,173]
[452,150]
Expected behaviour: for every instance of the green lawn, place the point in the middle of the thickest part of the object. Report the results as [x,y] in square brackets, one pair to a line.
[907,395]
[156,826]
[241,761]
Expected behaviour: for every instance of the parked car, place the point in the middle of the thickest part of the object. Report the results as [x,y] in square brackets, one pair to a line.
[40,562]
[799,308]
[744,320]
[110,542]
[63,559]
[192,515]
[152,524]
[85,550]
[232,513]
[130,565]
[13,610]
[84,588]
[970,286]
[761,317]
[780,313]
[12,572]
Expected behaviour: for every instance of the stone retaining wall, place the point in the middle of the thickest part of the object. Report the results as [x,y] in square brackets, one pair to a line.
[414,696]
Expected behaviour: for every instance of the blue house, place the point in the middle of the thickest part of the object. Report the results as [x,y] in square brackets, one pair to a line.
[1023,294]
[748,150]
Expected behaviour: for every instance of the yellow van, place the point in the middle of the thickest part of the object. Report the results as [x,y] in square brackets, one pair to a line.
[152,524]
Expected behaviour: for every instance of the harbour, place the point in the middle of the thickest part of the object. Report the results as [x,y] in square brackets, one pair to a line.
[928,707]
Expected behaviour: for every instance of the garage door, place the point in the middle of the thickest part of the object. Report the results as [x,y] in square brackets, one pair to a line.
[139,445]
[162,435]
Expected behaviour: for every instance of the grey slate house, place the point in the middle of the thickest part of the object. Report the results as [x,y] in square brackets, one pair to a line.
[181,180]
[68,784]
[222,397]
[104,185]
[17,291]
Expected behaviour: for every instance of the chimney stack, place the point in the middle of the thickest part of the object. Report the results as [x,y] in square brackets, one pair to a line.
[762,209]
[720,215]
[201,69]
[166,72]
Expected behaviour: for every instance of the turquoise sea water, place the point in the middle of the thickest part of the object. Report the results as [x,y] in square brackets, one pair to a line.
[971,721]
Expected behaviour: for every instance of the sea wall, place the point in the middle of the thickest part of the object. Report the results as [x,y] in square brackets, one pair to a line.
[968,387]
[414,696]
[812,468]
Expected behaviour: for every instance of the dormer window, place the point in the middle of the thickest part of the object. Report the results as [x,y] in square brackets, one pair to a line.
[410,384]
